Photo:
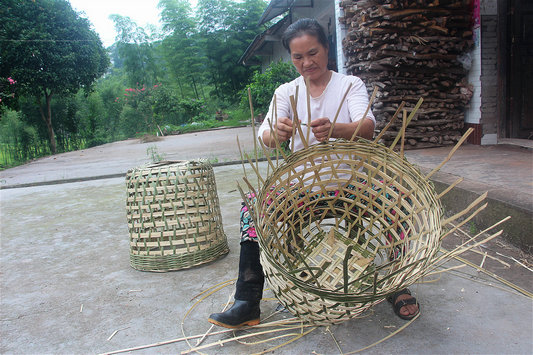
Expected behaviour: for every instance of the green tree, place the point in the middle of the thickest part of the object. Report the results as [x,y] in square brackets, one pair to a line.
[181,47]
[136,49]
[110,89]
[17,139]
[91,118]
[228,28]
[49,50]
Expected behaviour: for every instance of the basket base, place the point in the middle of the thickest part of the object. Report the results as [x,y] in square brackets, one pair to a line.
[174,262]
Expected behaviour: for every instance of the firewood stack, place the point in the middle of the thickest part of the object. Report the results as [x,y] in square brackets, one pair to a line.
[412,49]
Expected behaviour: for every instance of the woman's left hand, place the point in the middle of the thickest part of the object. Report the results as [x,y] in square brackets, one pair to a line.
[320,128]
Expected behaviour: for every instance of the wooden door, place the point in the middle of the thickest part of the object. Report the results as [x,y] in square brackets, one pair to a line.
[520,123]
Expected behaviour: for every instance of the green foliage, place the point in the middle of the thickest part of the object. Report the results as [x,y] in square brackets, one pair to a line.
[264,84]
[174,80]
[181,48]
[153,153]
[110,89]
[227,28]
[193,109]
[165,106]
[473,228]
[49,50]
[18,141]
[136,48]
[131,121]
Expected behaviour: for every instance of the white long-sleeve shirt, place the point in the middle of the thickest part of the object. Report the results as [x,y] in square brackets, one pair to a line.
[325,105]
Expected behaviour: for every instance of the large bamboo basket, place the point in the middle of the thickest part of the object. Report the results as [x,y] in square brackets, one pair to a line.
[174,216]
[326,246]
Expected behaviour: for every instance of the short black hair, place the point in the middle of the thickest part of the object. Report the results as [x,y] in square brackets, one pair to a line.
[304,26]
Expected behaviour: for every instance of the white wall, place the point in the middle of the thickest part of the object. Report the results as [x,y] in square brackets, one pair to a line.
[341,33]
[473,114]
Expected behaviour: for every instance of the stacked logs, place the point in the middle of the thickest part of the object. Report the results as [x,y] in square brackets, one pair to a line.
[411,49]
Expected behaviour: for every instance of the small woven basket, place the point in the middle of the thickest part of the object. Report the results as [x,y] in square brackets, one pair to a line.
[174,216]
[342,225]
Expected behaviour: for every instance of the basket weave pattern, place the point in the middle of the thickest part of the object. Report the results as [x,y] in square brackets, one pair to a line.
[330,218]
[173,216]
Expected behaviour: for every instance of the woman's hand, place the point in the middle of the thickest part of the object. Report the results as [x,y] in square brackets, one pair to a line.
[283,131]
[320,128]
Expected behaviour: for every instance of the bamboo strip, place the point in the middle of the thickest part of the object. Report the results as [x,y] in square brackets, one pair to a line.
[409,118]
[374,93]
[386,338]
[386,128]
[224,341]
[242,157]
[338,111]
[494,276]
[466,210]
[308,97]
[449,188]
[298,127]
[452,152]
[252,121]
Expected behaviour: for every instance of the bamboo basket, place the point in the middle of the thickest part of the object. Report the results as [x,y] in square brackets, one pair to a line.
[173,215]
[328,220]
[344,224]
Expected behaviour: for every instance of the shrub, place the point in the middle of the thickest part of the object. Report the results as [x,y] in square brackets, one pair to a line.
[264,84]
[193,109]
[18,141]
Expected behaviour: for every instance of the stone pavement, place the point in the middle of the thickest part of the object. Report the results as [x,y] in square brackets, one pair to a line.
[66,285]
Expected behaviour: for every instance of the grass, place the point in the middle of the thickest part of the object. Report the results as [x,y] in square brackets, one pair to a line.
[153,153]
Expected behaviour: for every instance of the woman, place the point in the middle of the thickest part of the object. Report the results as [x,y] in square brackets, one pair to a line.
[308,46]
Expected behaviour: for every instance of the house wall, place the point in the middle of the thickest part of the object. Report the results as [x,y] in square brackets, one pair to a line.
[473,113]
[278,53]
[472,61]
[322,11]
[341,33]
[489,72]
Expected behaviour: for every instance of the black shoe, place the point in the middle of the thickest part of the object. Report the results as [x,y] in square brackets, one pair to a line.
[240,314]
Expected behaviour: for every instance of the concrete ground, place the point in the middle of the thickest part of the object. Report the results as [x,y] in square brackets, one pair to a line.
[66,284]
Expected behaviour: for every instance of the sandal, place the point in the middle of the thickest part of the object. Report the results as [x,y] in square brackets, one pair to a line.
[399,304]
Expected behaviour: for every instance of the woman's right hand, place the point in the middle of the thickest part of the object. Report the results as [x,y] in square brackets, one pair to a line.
[283,131]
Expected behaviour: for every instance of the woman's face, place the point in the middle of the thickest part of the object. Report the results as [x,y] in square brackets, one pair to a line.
[309,57]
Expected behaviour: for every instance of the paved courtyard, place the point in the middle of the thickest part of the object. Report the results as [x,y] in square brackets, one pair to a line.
[67,287]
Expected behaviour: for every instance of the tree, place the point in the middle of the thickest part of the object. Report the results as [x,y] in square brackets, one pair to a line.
[181,47]
[227,29]
[136,49]
[49,50]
